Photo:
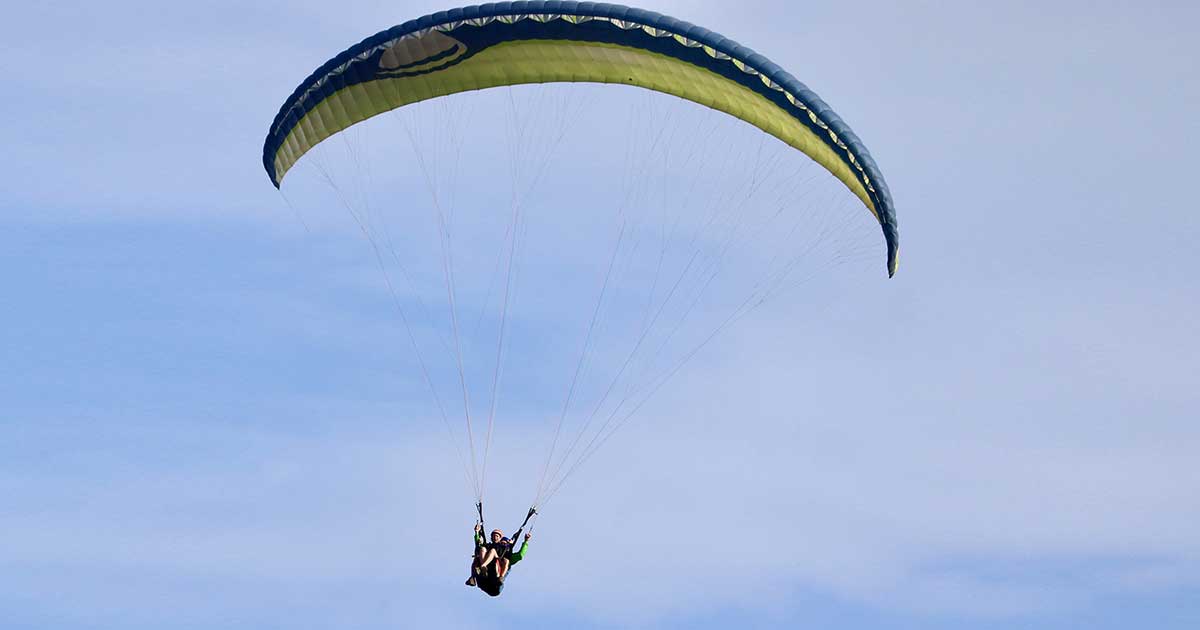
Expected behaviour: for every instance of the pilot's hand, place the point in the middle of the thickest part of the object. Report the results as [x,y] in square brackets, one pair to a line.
[528,535]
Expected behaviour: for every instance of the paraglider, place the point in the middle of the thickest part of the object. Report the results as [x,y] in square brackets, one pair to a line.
[492,560]
[517,43]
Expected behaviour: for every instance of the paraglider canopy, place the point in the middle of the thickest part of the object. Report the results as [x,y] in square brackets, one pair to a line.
[514,43]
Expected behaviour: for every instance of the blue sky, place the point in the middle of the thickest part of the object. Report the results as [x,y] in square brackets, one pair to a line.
[210,416]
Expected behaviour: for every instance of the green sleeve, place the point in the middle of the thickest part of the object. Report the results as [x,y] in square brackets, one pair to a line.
[518,554]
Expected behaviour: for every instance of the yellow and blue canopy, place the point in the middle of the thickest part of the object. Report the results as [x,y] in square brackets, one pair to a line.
[512,43]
